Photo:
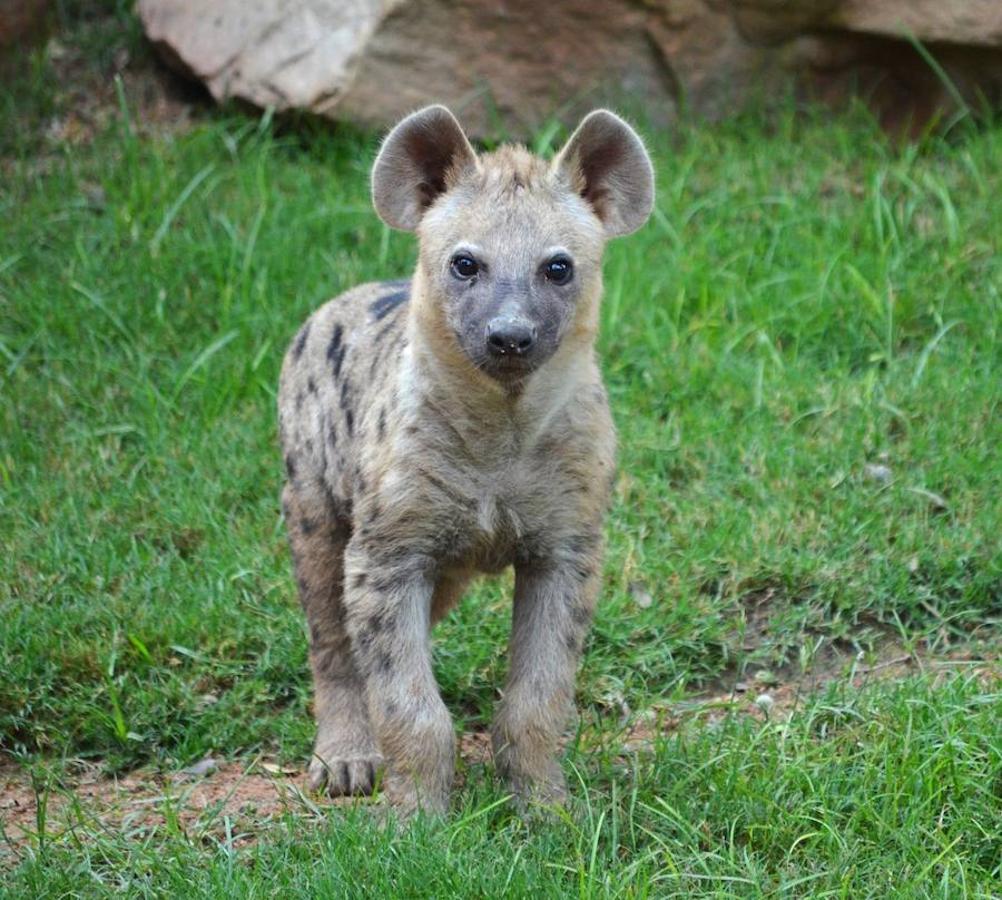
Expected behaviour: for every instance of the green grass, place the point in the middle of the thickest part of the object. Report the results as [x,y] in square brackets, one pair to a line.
[891,793]
[808,301]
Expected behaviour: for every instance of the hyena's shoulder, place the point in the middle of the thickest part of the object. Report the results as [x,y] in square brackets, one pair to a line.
[365,322]
[354,315]
[337,365]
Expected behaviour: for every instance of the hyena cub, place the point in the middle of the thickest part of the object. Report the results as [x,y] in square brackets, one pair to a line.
[453,424]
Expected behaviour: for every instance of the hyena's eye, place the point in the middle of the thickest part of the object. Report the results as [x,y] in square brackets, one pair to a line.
[558,270]
[464,267]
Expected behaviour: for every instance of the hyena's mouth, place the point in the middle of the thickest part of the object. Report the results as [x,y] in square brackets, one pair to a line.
[507,368]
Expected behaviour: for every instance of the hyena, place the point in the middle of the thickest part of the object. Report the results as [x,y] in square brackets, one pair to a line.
[453,424]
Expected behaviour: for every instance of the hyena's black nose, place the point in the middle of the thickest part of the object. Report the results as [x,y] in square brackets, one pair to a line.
[513,337]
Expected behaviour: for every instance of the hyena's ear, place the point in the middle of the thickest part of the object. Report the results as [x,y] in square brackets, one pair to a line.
[606,163]
[419,160]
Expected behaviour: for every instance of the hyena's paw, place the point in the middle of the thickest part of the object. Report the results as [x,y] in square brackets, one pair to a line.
[541,796]
[405,800]
[343,773]
[540,800]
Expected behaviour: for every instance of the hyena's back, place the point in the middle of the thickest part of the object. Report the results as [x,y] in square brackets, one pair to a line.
[334,380]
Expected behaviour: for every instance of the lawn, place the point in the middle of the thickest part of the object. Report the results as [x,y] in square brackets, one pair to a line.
[803,354]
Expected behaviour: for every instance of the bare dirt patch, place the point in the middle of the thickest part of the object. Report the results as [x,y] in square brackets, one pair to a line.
[89,96]
[775,699]
[223,801]
[83,78]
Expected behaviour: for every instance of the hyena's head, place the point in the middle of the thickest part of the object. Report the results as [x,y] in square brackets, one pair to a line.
[511,246]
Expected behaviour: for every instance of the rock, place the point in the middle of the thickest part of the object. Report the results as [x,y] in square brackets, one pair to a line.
[866,48]
[203,767]
[641,596]
[775,21]
[517,61]
[973,22]
[289,55]
[508,66]
[878,472]
[512,63]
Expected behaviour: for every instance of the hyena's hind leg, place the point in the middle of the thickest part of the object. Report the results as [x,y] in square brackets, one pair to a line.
[345,757]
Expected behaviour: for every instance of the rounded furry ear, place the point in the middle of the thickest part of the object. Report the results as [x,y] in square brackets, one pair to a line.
[419,160]
[606,163]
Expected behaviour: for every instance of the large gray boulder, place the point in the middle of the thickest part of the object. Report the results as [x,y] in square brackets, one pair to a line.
[518,62]
[975,22]
[510,61]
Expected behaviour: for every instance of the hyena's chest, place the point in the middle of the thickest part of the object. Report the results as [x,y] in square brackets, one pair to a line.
[503,528]
[486,520]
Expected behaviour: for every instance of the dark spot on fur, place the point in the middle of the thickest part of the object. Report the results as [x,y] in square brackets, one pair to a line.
[584,554]
[388,327]
[307,526]
[571,641]
[332,436]
[584,543]
[383,581]
[325,459]
[329,660]
[391,707]
[384,621]
[299,400]
[300,345]
[290,465]
[384,662]
[302,585]
[336,349]
[364,639]
[381,429]
[342,509]
[311,386]
[383,306]
[362,486]
[580,615]
[349,415]
[359,579]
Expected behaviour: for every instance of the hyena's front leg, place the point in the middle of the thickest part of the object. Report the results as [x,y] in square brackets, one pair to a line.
[389,602]
[345,758]
[554,602]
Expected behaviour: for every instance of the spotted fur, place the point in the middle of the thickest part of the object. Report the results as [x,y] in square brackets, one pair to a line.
[412,464]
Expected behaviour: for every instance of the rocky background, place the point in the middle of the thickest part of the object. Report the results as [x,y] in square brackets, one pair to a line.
[513,64]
